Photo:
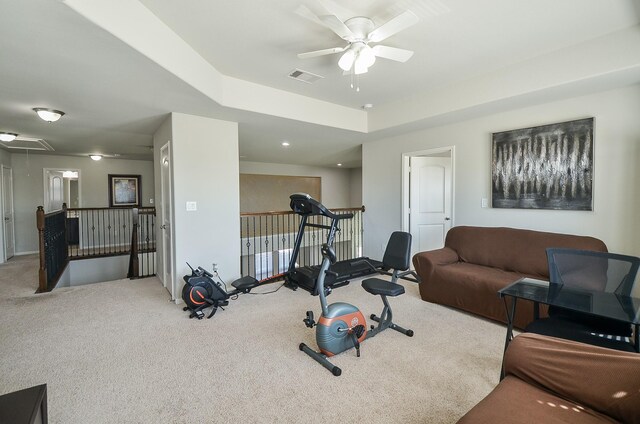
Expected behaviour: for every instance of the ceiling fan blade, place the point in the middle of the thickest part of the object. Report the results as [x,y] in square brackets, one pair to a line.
[395,25]
[334,8]
[323,52]
[306,13]
[336,25]
[399,55]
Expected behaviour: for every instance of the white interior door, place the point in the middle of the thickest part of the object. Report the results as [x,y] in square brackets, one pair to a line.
[430,196]
[165,203]
[53,190]
[7,212]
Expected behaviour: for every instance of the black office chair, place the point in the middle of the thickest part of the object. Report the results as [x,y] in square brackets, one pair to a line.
[590,271]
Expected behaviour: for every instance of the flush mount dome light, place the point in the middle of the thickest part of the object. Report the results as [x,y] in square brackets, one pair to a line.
[49,115]
[7,136]
[95,157]
[285,144]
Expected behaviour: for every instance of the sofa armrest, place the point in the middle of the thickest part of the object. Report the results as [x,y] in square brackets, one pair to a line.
[603,379]
[425,262]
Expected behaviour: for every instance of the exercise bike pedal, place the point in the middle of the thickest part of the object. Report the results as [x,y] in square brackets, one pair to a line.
[309,321]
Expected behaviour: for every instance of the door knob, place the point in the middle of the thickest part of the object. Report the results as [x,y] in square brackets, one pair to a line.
[446,218]
[163,227]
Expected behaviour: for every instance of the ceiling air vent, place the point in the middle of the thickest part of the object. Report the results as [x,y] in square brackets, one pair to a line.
[304,76]
[26,143]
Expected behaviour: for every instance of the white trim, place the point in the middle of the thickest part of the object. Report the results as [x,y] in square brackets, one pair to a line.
[44,183]
[26,253]
[3,255]
[171,286]
[405,181]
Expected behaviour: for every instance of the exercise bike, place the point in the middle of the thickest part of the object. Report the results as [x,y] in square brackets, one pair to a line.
[342,326]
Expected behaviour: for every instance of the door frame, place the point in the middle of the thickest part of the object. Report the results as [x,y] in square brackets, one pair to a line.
[406,182]
[170,285]
[45,182]
[3,253]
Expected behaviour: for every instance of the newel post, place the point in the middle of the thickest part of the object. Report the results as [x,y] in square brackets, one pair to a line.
[42,272]
[134,271]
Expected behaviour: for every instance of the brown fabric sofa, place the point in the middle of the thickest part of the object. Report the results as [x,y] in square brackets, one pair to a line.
[550,380]
[476,262]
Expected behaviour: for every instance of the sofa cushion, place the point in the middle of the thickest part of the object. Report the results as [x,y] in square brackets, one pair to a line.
[512,249]
[514,401]
[474,288]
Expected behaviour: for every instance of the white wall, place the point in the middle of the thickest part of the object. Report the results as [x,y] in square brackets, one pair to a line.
[5,157]
[28,187]
[616,172]
[206,171]
[335,182]
[355,177]
[88,271]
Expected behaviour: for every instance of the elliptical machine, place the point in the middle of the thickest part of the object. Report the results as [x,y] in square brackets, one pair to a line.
[342,326]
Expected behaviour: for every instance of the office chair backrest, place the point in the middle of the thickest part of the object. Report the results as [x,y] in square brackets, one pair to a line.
[397,255]
[596,271]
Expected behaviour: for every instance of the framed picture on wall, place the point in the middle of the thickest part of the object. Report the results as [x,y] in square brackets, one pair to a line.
[545,167]
[124,191]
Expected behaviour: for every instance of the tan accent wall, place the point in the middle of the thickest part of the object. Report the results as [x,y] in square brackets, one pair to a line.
[264,193]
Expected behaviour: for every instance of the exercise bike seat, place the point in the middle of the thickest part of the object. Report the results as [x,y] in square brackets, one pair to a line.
[378,286]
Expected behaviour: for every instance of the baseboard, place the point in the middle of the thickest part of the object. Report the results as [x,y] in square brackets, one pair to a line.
[26,253]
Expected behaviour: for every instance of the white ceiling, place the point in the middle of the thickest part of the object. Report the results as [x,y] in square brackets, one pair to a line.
[115,97]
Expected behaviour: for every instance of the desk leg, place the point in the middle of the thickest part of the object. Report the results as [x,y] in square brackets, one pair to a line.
[511,312]
[636,338]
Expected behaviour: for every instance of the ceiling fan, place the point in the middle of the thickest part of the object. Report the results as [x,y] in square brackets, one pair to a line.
[359,32]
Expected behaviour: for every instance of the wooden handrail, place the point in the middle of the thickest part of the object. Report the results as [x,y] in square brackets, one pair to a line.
[361,208]
[147,209]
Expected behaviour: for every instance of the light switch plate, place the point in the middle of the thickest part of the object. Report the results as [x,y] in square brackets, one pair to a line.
[192,206]
[485,202]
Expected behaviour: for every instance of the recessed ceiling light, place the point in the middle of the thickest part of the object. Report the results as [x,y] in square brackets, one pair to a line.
[49,115]
[95,157]
[285,144]
[339,164]
[367,106]
[7,136]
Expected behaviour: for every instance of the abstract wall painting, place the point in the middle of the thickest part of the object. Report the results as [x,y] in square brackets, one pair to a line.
[545,167]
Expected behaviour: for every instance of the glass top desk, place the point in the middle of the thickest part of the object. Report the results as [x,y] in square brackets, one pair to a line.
[597,303]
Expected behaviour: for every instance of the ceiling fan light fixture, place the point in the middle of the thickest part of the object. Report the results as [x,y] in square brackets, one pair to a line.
[346,61]
[49,115]
[360,68]
[366,56]
[7,136]
[95,157]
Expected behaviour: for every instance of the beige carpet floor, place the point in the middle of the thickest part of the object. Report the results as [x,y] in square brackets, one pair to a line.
[120,352]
